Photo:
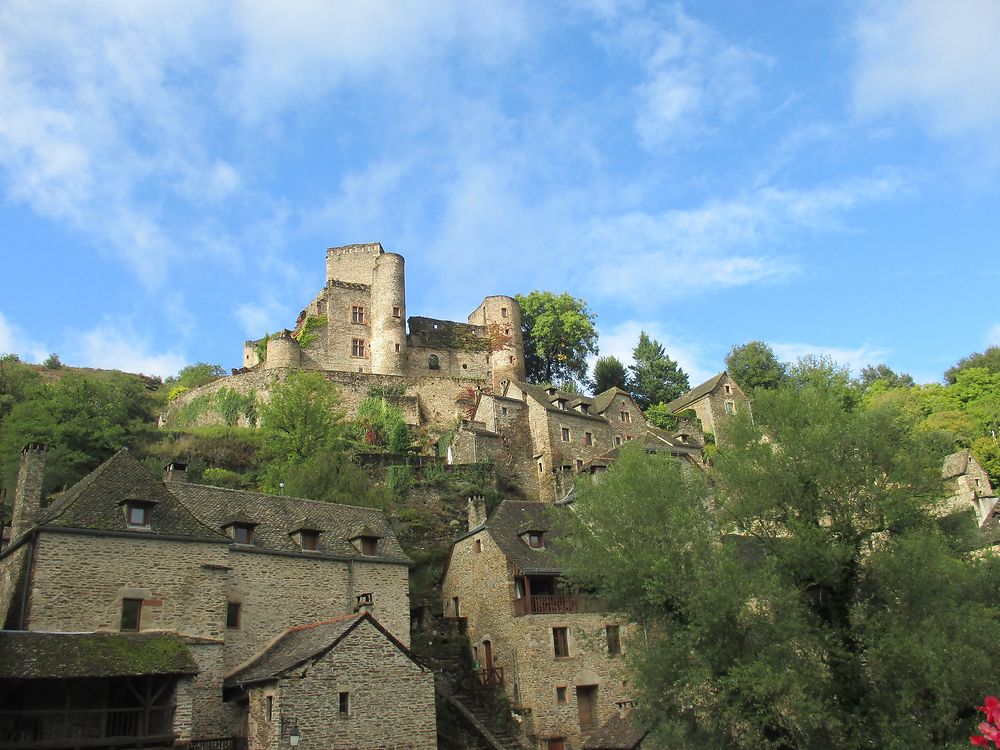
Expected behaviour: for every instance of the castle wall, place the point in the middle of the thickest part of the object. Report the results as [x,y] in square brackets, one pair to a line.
[352,263]
[514,460]
[451,363]
[334,345]
[503,314]
[483,583]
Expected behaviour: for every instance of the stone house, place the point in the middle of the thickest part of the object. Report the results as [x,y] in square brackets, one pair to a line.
[557,653]
[219,574]
[713,402]
[320,679]
[541,438]
[969,486]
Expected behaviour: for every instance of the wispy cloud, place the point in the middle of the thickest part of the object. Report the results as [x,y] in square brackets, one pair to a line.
[854,358]
[620,339]
[993,336]
[14,340]
[938,62]
[116,345]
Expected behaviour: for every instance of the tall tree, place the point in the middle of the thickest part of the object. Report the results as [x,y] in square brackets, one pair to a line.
[884,376]
[987,360]
[609,372]
[806,596]
[559,334]
[655,376]
[753,366]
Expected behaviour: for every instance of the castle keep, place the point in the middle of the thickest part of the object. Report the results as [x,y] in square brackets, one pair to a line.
[358,323]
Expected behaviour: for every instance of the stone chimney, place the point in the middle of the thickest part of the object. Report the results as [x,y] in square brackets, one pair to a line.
[175,471]
[366,603]
[477,511]
[28,493]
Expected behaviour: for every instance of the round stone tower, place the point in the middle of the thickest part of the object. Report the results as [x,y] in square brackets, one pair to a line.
[282,351]
[388,315]
[502,315]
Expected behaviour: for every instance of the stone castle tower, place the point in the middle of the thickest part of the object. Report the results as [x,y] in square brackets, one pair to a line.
[358,323]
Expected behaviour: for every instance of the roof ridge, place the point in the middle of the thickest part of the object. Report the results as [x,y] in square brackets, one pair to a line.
[341,618]
[296,498]
[56,510]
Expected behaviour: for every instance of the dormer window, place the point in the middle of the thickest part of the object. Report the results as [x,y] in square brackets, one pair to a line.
[306,533]
[535,539]
[365,541]
[138,512]
[369,546]
[309,541]
[243,533]
[561,403]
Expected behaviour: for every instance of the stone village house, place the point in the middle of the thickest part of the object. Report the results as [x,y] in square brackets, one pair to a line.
[162,611]
[557,654]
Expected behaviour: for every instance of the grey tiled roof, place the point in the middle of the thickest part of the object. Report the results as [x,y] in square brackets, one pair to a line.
[95,502]
[604,399]
[31,655]
[538,394]
[513,518]
[616,733]
[300,644]
[956,464]
[679,404]
[277,515]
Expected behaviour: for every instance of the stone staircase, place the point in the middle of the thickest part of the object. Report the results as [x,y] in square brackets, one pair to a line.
[470,717]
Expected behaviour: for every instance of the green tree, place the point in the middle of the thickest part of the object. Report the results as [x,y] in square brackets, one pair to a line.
[806,596]
[609,372]
[658,416]
[753,366]
[382,425]
[885,376]
[987,360]
[83,419]
[52,362]
[194,375]
[17,383]
[655,376]
[559,334]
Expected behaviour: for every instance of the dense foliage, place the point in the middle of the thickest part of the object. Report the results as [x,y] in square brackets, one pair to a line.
[656,378]
[754,366]
[559,334]
[805,594]
[609,372]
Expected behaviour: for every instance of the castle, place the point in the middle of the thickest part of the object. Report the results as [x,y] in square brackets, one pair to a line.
[358,323]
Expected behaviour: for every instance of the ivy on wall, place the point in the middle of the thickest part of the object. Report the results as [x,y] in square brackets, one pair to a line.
[308,332]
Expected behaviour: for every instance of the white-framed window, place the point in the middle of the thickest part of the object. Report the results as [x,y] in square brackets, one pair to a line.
[730,407]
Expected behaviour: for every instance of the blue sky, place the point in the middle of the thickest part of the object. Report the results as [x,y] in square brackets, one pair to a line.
[824,176]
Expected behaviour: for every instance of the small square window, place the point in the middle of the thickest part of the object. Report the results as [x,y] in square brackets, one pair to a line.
[345,704]
[396,311]
[535,540]
[560,642]
[729,389]
[131,614]
[357,347]
[618,440]
[397,347]
[613,633]
[561,695]
[309,541]
[626,417]
[565,434]
[369,546]
[503,411]
[579,464]
[138,515]
[588,438]
[730,407]
[357,314]
[233,616]
[243,533]
[503,312]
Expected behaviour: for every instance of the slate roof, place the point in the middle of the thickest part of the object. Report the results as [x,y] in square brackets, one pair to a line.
[616,733]
[301,644]
[31,655]
[277,515]
[956,464]
[538,394]
[604,399]
[95,503]
[513,518]
[679,404]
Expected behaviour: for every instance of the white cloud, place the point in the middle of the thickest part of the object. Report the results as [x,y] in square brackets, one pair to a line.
[13,340]
[938,61]
[115,345]
[619,341]
[695,79]
[993,336]
[855,359]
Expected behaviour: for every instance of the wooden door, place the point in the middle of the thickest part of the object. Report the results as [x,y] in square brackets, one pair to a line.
[586,701]
[487,655]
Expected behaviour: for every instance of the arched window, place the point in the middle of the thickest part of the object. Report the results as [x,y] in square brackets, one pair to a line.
[432,362]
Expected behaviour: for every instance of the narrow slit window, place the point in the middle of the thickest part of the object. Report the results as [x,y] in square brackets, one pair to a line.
[233,616]
[345,704]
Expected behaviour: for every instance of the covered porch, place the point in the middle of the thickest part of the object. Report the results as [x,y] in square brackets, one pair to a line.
[84,690]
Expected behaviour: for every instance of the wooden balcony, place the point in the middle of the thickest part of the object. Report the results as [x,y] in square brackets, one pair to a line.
[490,677]
[556,604]
[30,729]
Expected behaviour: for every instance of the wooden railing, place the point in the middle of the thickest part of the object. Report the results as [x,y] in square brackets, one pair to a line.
[85,727]
[219,743]
[490,677]
[556,604]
